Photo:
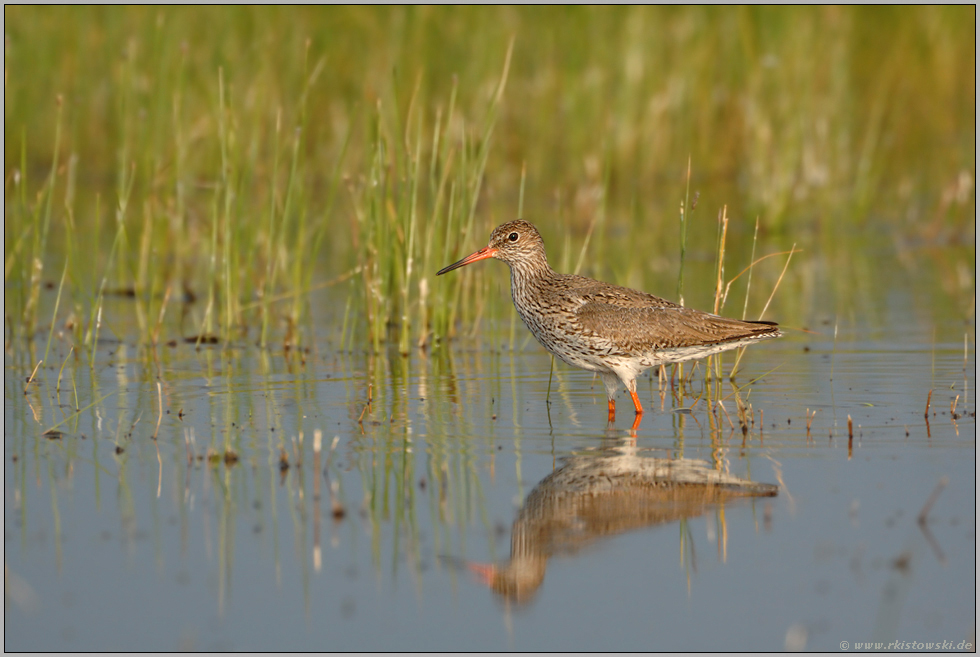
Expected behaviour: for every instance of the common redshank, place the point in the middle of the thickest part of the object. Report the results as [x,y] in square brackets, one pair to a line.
[604,328]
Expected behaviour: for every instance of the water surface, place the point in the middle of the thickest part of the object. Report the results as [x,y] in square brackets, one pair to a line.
[115,541]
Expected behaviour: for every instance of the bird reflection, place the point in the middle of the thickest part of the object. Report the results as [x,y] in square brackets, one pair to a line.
[603,492]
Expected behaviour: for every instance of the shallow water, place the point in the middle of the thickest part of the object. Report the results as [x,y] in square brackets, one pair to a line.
[115,541]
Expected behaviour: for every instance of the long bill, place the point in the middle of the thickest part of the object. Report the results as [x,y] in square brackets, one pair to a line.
[482,254]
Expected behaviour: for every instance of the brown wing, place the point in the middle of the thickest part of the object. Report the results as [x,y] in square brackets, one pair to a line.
[586,290]
[636,320]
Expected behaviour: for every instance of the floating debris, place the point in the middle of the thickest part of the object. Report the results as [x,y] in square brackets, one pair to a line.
[204,338]
[902,562]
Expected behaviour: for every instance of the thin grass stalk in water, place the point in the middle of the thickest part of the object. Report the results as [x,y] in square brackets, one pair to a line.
[227,193]
[155,338]
[441,322]
[57,387]
[679,367]
[714,362]
[207,320]
[748,287]
[270,237]
[414,175]
[54,313]
[440,167]
[748,284]
[182,246]
[445,310]
[741,350]
[142,292]
[683,234]
[303,258]
[723,234]
[14,276]
[41,238]
[520,215]
[96,321]
[778,281]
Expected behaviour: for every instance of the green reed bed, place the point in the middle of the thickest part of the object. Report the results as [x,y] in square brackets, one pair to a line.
[234,173]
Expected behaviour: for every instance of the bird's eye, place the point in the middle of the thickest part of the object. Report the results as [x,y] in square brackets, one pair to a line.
[513,237]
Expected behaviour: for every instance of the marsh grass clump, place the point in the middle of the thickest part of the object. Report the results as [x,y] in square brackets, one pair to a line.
[420,195]
[223,180]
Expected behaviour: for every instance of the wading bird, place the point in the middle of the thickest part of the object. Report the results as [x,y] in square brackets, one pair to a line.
[612,330]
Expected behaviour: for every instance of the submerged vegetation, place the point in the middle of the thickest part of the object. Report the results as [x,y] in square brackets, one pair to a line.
[241,159]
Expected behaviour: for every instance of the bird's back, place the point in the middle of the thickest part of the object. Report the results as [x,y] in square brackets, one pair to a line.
[574,313]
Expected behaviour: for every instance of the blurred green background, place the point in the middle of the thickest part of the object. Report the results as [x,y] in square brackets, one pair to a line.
[244,156]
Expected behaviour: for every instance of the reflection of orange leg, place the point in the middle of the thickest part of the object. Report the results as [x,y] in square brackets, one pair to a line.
[612,410]
[485,572]
[636,424]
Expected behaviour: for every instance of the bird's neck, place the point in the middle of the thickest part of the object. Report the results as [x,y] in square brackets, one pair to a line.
[526,278]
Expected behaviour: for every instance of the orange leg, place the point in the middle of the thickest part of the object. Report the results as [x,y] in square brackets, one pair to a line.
[639,412]
[636,403]
[612,410]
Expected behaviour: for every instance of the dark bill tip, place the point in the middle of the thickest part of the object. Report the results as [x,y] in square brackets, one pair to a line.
[482,254]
